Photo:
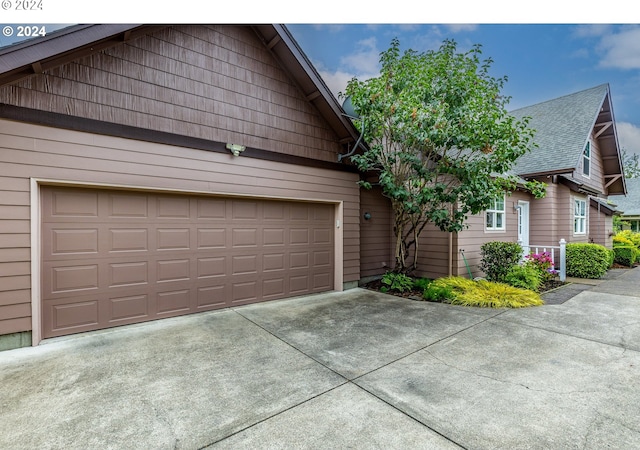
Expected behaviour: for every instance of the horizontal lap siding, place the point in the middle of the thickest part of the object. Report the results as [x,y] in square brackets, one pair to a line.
[545,217]
[433,253]
[471,239]
[376,255]
[214,82]
[40,152]
[15,253]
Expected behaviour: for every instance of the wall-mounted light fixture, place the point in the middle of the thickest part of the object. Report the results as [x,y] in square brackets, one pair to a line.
[367,216]
[516,207]
[236,149]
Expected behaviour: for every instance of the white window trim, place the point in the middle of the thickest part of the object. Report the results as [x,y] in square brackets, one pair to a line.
[495,213]
[584,218]
[588,158]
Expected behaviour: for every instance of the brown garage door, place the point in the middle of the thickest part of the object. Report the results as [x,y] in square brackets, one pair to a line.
[114,257]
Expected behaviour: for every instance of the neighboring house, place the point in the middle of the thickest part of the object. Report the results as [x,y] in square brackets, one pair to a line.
[154,171]
[629,205]
[578,156]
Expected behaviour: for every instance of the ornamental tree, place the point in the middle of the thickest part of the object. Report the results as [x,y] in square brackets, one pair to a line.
[439,139]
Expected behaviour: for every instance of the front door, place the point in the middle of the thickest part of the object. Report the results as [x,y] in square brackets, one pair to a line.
[523,225]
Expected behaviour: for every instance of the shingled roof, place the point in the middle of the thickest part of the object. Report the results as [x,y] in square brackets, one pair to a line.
[629,205]
[562,128]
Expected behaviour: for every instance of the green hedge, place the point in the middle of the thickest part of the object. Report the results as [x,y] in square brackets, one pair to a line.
[625,255]
[587,260]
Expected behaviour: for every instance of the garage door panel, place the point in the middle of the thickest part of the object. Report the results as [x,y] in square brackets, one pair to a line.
[299,284]
[130,308]
[127,206]
[274,288]
[71,278]
[273,237]
[244,210]
[244,237]
[274,262]
[146,256]
[211,238]
[173,301]
[243,292]
[173,270]
[322,282]
[211,209]
[128,240]
[173,207]
[64,318]
[58,241]
[128,274]
[212,266]
[173,238]
[213,296]
[73,203]
[299,236]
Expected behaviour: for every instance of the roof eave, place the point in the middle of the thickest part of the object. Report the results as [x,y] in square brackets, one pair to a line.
[37,55]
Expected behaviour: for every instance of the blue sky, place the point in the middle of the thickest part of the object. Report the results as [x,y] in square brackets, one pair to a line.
[541,61]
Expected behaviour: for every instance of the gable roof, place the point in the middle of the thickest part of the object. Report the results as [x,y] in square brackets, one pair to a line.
[36,55]
[629,205]
[562,126]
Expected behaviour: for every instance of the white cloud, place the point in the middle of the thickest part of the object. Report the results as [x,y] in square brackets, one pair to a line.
[621,50]
[461,27]
[586,31]
[365,59]
[336,81]
[629,137]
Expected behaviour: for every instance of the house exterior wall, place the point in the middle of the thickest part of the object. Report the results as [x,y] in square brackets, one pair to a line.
[600,228]
[471,239]
[213,82]
[376,248]
[545,217]
[31,152]
[595,179]
[436,250]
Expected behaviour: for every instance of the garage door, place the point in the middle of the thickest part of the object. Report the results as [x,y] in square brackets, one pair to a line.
[111,258]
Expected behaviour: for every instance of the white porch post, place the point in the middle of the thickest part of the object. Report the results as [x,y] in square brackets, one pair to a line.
[563,260]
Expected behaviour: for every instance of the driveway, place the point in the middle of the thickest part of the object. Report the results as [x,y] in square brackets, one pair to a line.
[356,369]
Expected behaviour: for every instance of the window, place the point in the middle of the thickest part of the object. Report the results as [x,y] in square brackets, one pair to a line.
[495,215]
[635,225]
[586,159]
[580,217]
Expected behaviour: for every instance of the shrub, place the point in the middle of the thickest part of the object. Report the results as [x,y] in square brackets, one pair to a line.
[612,257]
[525,276]
[543,264]
[498,258]
[625,255]
[620,240]
[421,283]
[587,260]
[437,293]
[398,282]
[487,294]
[629,235]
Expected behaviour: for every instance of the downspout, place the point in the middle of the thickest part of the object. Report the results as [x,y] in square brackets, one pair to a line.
[355,147]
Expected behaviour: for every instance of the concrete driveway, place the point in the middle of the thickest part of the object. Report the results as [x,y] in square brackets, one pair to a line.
[356,369]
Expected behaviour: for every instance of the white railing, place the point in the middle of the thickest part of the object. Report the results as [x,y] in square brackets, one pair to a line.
[558,255]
